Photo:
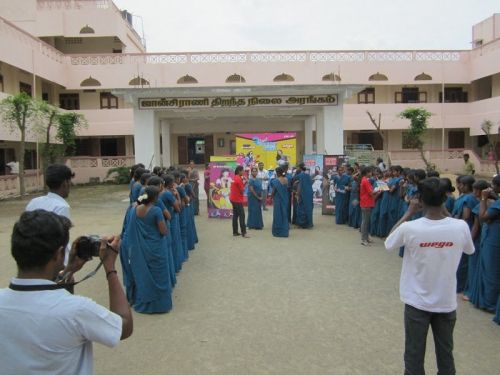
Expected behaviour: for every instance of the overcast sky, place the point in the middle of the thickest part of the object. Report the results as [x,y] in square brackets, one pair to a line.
[243,25]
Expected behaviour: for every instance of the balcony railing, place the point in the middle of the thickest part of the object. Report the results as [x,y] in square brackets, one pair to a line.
[95,168]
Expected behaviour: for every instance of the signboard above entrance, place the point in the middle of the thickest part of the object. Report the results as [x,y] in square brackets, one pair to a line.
[237,101]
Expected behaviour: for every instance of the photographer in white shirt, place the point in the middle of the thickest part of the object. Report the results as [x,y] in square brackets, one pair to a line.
[45,329]
[433,247]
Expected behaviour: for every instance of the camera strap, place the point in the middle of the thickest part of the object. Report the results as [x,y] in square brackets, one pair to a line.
[59,285]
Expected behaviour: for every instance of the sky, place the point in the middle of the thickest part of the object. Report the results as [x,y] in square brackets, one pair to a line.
[248,25]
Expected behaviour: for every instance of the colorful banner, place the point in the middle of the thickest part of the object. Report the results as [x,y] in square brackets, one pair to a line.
[314,165]
[272,149]
[330,167]
[221,177]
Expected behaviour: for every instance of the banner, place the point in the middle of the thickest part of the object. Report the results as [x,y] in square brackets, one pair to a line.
[314,165]
[273,149]
[330,168]
[221,178]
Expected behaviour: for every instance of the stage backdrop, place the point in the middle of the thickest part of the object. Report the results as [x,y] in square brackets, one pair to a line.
[221,177]
[330,166]
[264,147]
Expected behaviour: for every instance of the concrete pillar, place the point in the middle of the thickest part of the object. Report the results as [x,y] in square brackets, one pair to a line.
[146,138]
[165,143]
[309,126]
[333,129]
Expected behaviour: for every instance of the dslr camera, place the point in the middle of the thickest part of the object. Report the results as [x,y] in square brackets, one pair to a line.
[88,247]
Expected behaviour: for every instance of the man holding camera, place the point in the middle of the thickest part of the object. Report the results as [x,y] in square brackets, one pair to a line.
[45,329]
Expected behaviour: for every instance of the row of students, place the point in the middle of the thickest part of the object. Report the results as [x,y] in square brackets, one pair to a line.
[158,231]
[292,200]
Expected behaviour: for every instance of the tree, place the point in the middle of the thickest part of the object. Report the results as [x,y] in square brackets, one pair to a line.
[492,144]
[18,112]
[377,125]
[66,125]
[418,126]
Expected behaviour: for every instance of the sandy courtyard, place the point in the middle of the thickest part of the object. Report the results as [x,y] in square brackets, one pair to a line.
[315,303]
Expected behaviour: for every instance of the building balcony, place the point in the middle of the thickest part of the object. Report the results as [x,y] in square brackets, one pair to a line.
[447,115]
[107,122]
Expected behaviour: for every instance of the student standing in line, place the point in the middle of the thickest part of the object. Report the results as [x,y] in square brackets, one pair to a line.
[279,186]
[433,247]
[255,197]
[366,201]
[236,197]
[304,197]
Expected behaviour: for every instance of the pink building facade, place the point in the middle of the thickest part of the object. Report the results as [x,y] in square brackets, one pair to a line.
[158,108]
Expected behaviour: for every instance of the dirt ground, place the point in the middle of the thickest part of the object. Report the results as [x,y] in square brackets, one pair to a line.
[315,303]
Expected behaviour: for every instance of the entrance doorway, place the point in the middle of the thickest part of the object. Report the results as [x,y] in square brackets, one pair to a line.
[198,148]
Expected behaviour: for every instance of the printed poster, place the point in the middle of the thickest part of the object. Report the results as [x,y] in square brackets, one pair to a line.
[314,165]
[273,149]
[221,178]
[330,168]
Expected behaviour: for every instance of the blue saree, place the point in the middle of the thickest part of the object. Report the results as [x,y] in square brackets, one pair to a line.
[151,289]
[175,232]
[280,225]
[489,262]
[469,201]
[254,220]
[341,198]
[354,208]
[192,236]
[304,201]
[183,222]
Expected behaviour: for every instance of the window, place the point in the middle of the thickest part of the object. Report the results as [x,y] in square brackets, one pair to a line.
[2,89]
[108,100]
[410,95]
[408,142]
[453,95]
[367,96]
[456,139]
[69,101]
[30,159]
[25,87]
[45,96]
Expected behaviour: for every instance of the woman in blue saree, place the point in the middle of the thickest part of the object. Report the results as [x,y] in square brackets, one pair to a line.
[477,237]
[354,207]
[489,262]
[182,214]
[254,220]
[496,319]
[146,230]
[375,215]
[385,199]
[394,197]
[304,198]
[170,197]
[463,210]
[279,185]
[341,182]
[192,236]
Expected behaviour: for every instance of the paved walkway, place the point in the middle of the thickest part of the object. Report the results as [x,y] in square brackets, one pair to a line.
[315,303]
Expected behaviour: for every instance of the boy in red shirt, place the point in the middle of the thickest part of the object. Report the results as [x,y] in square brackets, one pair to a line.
[237,199]
[366,202]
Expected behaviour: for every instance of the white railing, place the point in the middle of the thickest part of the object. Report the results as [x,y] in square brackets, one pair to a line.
[266,57]
[95,168]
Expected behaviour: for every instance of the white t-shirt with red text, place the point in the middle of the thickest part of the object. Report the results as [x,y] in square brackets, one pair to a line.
[433,249]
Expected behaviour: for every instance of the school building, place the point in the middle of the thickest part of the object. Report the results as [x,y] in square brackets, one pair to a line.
[169,108]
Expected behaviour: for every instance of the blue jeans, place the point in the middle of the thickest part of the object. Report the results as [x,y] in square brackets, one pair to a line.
[417,324]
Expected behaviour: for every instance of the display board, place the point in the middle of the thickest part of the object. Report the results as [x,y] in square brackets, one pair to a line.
[330,168]
[221,177]
[272,149]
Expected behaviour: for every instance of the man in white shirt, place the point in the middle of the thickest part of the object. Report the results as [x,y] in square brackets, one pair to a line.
[433,248]
[263,176]
[58,179]
[45,329]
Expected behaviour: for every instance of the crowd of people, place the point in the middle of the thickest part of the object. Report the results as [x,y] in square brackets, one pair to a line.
[158,232]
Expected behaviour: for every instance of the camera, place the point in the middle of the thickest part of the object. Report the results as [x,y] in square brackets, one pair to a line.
[88,247]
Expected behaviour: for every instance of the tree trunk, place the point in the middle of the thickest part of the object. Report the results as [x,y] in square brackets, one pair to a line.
[22,190]
[426,162]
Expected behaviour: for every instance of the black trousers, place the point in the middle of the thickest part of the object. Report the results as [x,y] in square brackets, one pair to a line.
[417,324]
[238,213]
